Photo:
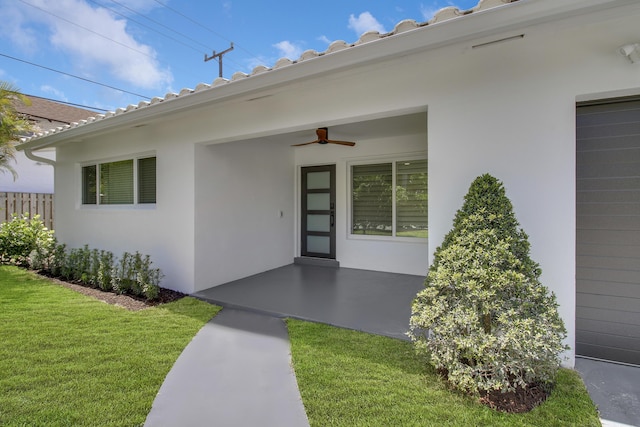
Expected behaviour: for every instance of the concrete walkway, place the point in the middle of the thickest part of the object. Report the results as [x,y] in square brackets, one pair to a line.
[237,369]
[235,372]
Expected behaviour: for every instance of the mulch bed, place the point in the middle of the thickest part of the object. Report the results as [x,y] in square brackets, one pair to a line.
[521,400]
[129,302]
[514,402]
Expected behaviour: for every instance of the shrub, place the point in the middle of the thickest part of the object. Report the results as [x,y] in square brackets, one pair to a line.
[21,236]
[131,274]
[105,267]
[484,318]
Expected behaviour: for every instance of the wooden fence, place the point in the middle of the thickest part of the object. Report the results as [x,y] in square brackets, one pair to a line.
[31,203]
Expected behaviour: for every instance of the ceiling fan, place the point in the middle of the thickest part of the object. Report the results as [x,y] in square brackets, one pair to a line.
[323,138]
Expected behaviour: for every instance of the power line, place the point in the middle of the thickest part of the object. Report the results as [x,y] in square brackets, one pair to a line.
[204,27]
[155,22]
[144,25]
[74,76]
[91,31]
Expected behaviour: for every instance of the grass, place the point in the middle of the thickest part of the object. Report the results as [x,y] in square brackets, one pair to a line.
[349,378]
[67,359]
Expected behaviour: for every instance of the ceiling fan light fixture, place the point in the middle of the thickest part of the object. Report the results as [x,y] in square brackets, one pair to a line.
[323,139]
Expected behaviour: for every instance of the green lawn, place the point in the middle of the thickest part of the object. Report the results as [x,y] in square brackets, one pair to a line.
[70,360]
[349,378]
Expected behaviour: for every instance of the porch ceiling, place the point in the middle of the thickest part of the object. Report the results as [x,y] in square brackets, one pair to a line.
[356,130]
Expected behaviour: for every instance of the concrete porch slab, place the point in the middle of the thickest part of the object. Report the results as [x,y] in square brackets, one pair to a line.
[363,300]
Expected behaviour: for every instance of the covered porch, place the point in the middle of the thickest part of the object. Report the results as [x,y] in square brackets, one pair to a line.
[369,301]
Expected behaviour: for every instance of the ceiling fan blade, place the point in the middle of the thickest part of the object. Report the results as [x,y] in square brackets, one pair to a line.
[348,143]
[305,143]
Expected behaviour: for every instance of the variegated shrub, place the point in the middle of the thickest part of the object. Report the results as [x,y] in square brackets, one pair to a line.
[483,317]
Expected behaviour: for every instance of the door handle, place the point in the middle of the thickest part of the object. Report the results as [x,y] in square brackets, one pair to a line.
[332,219]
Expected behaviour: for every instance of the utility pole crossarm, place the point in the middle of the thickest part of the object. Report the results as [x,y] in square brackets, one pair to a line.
[218,55]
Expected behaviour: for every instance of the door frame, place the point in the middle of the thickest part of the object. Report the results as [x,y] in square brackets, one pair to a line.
[303,211]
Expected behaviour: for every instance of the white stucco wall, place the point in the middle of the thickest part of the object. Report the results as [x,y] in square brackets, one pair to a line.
[33,177]
[244,211]
[164,231]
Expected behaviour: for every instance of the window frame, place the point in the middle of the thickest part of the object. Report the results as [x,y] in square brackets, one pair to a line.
[136,196]
[393,160]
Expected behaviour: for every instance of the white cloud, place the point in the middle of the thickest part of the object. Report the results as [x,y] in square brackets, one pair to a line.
[325,39]
[288,49]
[55,92]
[429,12]
[363,23]
[12,26]
[106,47]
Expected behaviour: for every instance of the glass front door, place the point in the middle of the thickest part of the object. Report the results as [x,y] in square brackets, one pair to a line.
[318,211]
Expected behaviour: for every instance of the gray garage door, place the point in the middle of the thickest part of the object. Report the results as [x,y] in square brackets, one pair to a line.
[608,231]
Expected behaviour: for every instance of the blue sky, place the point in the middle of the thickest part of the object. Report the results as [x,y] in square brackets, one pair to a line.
[151,47]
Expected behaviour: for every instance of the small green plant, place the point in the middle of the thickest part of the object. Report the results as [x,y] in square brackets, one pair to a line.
[105,267]
[28,243]
[23,235]
[484,319]
[57,260]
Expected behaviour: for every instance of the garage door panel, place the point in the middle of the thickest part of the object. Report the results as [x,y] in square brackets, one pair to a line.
[622,317]
[606,117]
[608,237]
[627,155]
[614,184]
[610,130]
[605,108]
[608,353]
[611,209]
[585,264]
[623,251]
[607,302]
[610,275]
[609,340]
[611,328]
[608,230]
[607,170]
[606,143]
[602,222]
[631,197]
[624,290]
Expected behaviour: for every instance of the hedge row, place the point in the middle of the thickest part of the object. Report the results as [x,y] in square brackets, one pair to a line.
[28,243]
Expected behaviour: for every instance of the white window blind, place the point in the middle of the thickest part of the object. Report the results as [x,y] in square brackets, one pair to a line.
[116,183]
[372,194]
[112,183]
[147,180]
[390,199]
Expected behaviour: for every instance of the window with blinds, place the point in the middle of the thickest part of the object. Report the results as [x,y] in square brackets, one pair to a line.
[390,199]
[372,196]
[411,198]
[89,193]
[147,180]
[124,182]
[116,183]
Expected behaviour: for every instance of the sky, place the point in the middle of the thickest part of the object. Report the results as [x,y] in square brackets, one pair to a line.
[106,54]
